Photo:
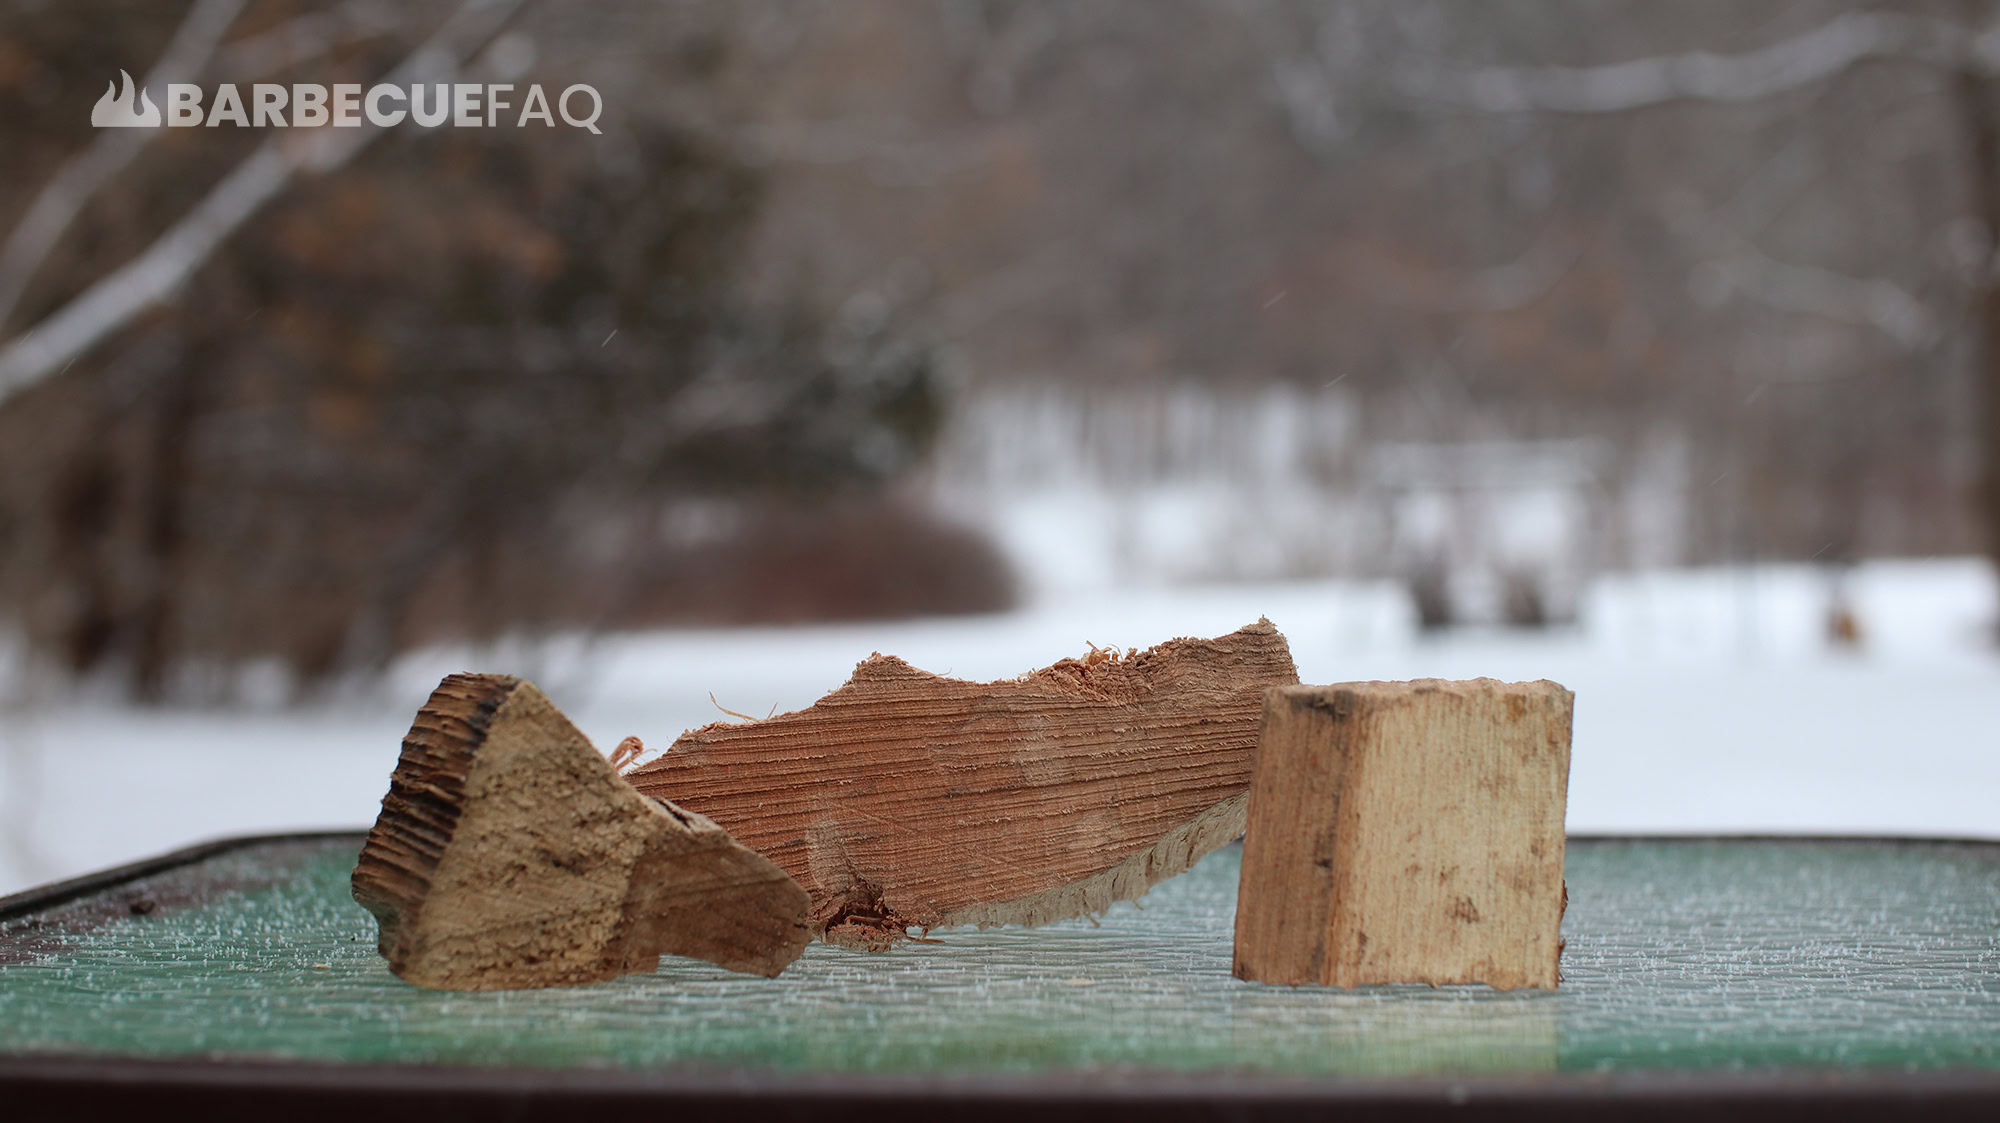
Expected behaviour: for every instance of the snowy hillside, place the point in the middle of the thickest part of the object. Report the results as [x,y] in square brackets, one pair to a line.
[1706,701]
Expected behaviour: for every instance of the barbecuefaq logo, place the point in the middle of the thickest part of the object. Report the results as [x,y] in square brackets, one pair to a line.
[117,112]
[126,105]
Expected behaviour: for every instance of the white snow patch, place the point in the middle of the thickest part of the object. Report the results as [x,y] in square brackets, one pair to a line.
[1706,701]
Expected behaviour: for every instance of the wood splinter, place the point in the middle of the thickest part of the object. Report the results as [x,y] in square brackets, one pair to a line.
[510,854]
[1407,832]
[908,800]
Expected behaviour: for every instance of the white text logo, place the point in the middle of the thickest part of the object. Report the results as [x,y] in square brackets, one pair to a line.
[118,112]
[307,105]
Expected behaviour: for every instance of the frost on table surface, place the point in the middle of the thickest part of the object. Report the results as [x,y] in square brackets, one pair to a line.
[1682,955]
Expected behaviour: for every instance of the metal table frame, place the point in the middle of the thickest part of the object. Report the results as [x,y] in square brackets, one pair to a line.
[67,1087]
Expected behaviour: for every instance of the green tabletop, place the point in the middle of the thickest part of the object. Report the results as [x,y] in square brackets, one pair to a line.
[1683,955]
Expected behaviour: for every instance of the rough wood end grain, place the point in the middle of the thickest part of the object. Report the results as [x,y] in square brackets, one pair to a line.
[509,854]
[1407,832]
[906,799]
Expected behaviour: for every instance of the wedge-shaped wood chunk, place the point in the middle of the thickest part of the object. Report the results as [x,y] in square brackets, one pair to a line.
[510,854]
[905,799]
[1407,832]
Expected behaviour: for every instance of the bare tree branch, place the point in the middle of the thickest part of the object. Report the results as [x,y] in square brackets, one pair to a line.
[1731,262]
[115,299]
[305,37]
[60,200]
[1789,64]
[1875,302]
[1508,287]
[1307,64]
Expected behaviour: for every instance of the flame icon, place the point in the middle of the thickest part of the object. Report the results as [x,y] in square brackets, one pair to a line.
[117,112]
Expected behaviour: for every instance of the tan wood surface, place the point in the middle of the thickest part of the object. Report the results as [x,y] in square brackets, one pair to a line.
[509,854]
[907,799]
[1407,832]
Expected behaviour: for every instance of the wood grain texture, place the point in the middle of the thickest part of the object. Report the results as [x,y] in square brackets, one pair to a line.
[1407,832]
[906,799]
[509,854]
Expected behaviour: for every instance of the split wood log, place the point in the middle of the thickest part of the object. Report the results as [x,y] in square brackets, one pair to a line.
[905,799]
[1407,832]
[510,854]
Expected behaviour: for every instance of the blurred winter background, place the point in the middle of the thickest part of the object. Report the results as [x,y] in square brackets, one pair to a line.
[1652,348]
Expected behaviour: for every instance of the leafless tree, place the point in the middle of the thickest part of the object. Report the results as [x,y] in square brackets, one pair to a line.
[1334,56]
[45,347]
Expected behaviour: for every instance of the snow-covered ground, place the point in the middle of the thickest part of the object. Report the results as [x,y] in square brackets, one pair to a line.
[1706,701]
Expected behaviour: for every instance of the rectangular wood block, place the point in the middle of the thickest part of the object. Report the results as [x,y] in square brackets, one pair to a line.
[1406,832]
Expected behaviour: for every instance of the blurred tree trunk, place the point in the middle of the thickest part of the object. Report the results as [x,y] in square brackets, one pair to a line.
[1979,111]
[84,517]
[163,534]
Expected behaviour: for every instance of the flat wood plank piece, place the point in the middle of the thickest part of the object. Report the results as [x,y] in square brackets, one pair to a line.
[1407,832]
[906,799]
[510,854]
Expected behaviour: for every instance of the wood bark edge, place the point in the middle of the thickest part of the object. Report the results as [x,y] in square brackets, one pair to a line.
[508,853]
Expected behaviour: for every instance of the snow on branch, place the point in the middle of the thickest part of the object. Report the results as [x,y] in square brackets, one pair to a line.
[1789,64]
[156,273]
[80,179]
[1875,302]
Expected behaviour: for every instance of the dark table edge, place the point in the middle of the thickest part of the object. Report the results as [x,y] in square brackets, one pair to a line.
[70,1086]
[62,892]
